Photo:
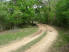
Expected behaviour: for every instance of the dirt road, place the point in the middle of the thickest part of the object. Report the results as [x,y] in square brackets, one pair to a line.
[15,45]
[46,42]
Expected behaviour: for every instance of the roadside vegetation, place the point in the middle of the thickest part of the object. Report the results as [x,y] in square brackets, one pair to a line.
[17,34]
[62,42]
[62,11]
[16,13]
[63,37]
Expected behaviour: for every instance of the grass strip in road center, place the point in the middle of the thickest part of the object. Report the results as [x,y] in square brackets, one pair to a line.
[33,42]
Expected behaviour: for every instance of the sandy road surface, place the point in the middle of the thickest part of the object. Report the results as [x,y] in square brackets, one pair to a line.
[46,42]
[18,44]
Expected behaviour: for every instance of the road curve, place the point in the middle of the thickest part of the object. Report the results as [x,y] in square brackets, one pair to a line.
[15,45]
[46,42]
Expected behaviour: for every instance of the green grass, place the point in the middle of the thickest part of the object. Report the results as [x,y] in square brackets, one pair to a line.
[63,37]
[12,35]
[27,46]
[62,42]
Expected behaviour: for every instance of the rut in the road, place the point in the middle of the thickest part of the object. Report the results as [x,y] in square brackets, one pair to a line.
[46,42]
[24,41]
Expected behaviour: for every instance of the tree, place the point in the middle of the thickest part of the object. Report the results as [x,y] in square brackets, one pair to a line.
[62,11]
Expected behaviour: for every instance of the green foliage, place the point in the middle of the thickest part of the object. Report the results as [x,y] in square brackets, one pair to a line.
[62,13]
[20,12]
[3,15]
[16,12]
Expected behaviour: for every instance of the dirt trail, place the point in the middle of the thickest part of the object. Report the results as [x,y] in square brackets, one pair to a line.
[15,45]
[46,42]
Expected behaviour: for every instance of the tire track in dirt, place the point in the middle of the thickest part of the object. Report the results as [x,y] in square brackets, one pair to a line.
[46,42]
[24,41]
